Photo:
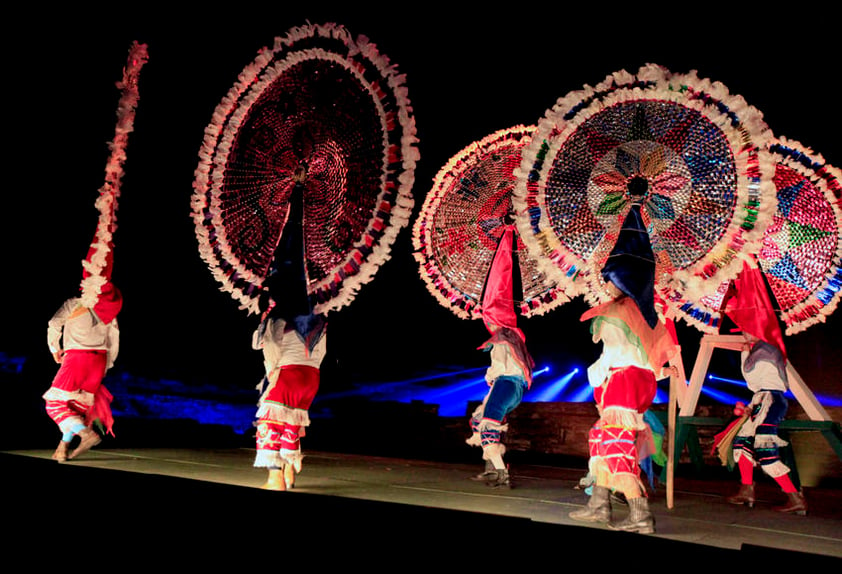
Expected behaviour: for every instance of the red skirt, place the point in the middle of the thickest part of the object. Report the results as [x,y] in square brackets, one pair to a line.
[631,388]
[295,387]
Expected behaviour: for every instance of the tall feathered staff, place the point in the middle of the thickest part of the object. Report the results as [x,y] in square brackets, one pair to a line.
[97,265]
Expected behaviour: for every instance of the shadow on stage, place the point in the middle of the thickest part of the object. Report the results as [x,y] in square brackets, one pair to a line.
[141,518]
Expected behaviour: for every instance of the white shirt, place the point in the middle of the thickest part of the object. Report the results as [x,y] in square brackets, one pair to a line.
[617,352]
[503,363]
[763,377]
[280,348]
[74,327]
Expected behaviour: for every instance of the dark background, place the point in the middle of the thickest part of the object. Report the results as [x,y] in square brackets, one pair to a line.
[469,72]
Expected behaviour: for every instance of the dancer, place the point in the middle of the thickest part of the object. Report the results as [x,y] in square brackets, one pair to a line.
[510,374]
[85,342]
[83,335]
[763,364]
[293,339]
[636,346]
[293,352]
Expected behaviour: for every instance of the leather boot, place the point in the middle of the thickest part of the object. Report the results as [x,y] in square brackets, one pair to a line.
[796,504]
[289,476]
[488,474]
[598,508]
[744,496]
[275,480]
[640,519]
[61,451]
[501,479]
[89,439]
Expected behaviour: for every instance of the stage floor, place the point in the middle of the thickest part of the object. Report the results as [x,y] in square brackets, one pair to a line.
[379,504]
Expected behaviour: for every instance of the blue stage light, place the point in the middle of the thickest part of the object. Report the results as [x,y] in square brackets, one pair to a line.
[551,391]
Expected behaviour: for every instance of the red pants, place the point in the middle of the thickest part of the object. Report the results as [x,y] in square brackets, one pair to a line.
[616,447]
[77,395]
[622,400]
[283,414]
[278,436]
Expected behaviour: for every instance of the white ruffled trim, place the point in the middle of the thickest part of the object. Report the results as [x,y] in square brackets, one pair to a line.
[265,458]
[810,311]
[80,396]
[283,414]
[624,417]
[293,457]
[493,450]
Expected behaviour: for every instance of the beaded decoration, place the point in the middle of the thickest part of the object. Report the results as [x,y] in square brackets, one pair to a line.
[319,109]
[462,220]
[802,247]
[692,155]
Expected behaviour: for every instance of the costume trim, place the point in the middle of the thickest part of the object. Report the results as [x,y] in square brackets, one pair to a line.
[492,450]
[80,396]
[279,413]
[623,417]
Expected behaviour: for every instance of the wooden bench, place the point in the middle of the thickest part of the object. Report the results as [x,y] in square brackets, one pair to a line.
[686,435]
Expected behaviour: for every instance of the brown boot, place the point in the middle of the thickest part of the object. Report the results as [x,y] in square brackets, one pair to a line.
[61,451]
[488,474]
[90,439]
[744,496]
[276,480]
[598,508]
[796,504]
[289,476]
[639,520]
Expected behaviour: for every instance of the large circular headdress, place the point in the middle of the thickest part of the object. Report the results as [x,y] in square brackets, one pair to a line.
[327,115]
[689,153]
[461,223]
[801,253]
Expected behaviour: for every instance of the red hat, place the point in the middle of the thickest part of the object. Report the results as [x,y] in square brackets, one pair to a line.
[498,305]
[748,304]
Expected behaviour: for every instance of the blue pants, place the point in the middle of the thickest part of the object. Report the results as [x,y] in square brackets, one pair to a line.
[761,446]
[505,395]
